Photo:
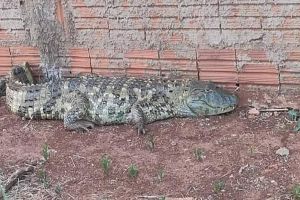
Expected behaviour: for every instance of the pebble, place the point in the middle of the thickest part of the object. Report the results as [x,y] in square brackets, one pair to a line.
[253,111]
[283,151]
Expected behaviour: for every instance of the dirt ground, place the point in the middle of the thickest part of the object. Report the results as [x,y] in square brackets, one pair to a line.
[237,151]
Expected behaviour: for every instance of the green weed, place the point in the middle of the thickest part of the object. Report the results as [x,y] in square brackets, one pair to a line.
[133,171]
[58,189]
[105,163]
[199,154]
[218,186]
[44,179]
[150,142]
[160,174]
[45,152]
[296,192]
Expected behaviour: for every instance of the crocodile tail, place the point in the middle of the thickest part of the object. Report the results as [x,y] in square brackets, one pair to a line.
[16,97]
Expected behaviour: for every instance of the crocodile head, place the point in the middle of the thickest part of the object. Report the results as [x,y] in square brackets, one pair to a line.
[206,99]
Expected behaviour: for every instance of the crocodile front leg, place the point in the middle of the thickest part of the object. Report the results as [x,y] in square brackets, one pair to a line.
[138,118]
[76,115]
[149,110]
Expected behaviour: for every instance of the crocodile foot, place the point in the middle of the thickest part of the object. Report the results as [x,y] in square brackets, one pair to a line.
[141,130]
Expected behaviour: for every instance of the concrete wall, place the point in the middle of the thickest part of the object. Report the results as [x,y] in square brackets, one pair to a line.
[246,42]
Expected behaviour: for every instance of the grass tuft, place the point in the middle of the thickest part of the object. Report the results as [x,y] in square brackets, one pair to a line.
[133,171]
[199,154]
[46,152]
[218,186]
[105,163]
[296,192]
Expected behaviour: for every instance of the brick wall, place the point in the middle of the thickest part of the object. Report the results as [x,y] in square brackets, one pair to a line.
[246,42]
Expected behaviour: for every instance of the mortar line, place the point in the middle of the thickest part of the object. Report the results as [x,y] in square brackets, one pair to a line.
[279,82]
[145,34]
[90,60]
[158,56]
[197,65]
[236,68]
[11,57]
[220,24]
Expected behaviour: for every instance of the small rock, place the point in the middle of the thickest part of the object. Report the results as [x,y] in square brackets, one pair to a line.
[274,182]
[283,151]
[243,168]
[253,111]
[173,143]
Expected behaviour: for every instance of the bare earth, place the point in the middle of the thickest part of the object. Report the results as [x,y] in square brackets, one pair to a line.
[239,152]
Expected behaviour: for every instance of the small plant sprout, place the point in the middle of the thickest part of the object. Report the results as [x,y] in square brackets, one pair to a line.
[199,154]
[296,192]
[105,163]
[58,189]
[252,150]
[293,114]
[43,177]
[218,186]
[150,142]
[46,152]
[133,171]
[160,174]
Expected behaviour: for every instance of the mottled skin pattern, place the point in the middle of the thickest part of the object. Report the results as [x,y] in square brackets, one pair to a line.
[2,86]
[84,101]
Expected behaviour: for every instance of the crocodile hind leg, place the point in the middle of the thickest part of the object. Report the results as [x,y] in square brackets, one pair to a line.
[76,116]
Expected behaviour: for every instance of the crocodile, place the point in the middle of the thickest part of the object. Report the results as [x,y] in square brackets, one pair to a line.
[84,101]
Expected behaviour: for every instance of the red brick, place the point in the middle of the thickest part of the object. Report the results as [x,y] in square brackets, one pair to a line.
[137,67]
[217,66]
[4,35]
[142,54]
[251,55]
[294,55]
[290,74]
[108,67]
[59,12]
[78,52]
[25,54]
[290,78]
[181,65]
[259,74]
[212,54]
[218,77]
[178,54]
[5,61]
